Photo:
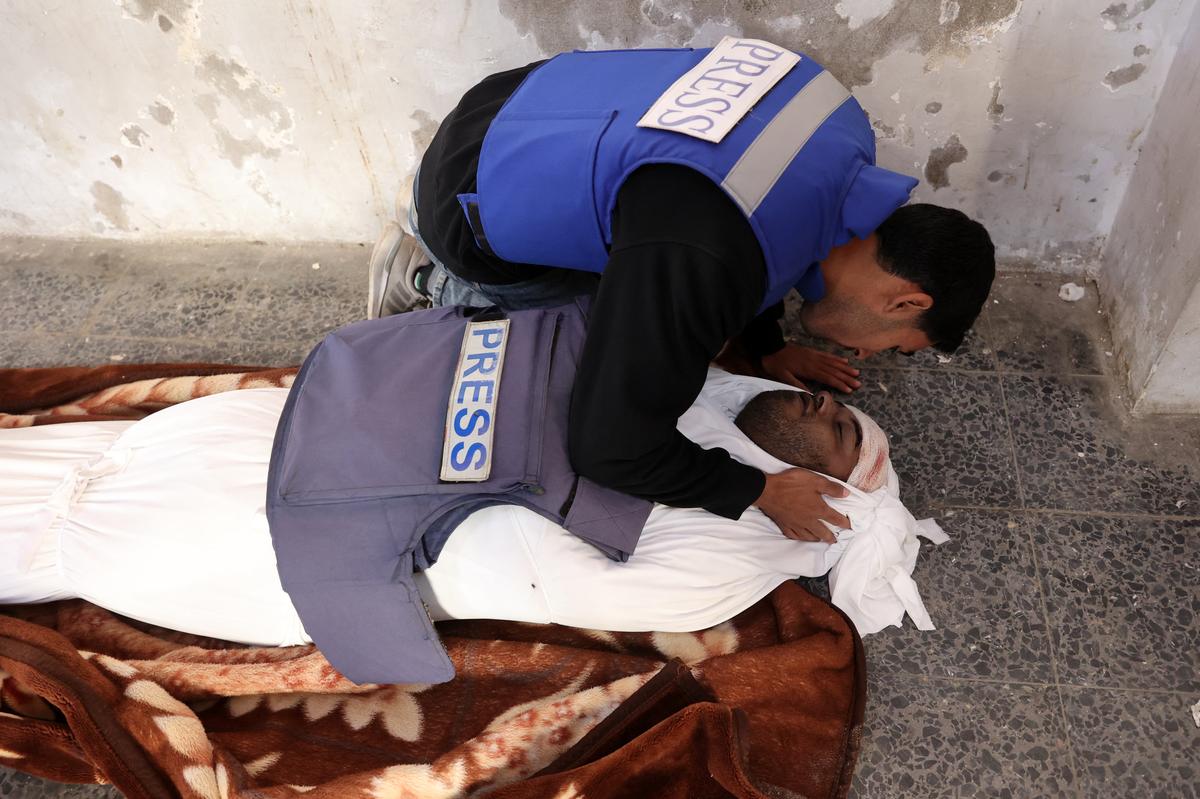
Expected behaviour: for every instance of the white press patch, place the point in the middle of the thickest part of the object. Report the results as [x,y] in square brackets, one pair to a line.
[471,412]
[715,94]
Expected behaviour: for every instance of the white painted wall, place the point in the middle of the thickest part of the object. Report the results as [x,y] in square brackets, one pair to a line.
[1151,272]
[294,119]
[1173,385]
[290,120]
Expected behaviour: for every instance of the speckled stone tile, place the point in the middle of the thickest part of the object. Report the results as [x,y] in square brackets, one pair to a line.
[299,307]
[817,586]
[939,738]
[975,354]
[19,350]
[982,594]
[18,785]
[1123,600]
[949,439]
[72,350]
[1077,450]
[1134,744]
[51,297]
[98,350]
[1032,330]
[171,306]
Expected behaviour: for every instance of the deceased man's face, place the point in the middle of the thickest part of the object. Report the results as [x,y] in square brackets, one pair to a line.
[834,433]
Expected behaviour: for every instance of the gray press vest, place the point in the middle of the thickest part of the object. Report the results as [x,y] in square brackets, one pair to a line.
[395,430]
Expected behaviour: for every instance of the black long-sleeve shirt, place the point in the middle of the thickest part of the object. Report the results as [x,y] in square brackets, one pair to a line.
[685,274]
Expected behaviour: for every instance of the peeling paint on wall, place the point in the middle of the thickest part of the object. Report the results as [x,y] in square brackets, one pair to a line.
[858,12]
[937,168]
[234,82]
[165,13]
[848,51]
[1117,78]
[145,10]
[110,204]
[949,12]
[250,105]
[161,112]
[1119,15]
[995,108]
[282,99]
[258,184]
[133,135]
[427,126]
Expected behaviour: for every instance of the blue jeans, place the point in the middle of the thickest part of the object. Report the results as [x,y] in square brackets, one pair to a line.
[555,287]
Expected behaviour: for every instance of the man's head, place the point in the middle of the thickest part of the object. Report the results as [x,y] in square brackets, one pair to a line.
[812,431]
[918,281]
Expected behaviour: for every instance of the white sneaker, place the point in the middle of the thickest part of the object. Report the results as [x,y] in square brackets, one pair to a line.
[391,275]
[402,294]
[379,272]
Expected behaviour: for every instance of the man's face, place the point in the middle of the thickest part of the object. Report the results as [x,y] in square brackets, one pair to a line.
[831,427]
[866,308]
[854,327]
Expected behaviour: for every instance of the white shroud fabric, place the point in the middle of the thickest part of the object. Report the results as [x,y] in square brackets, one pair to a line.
[871,565]
[162,520]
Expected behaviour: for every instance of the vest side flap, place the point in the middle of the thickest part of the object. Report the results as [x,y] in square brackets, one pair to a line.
[608,519]
[873,195]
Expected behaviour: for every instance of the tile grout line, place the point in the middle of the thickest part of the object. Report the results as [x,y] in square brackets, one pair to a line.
[1012,443]
[999,370]
[1087,514]
[989,338]
[1051,639]
[172,339]
[110,287]
[190,340]
[1051,630]
[1034,684]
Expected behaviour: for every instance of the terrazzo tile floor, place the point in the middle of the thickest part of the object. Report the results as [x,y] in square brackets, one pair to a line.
[1067,654]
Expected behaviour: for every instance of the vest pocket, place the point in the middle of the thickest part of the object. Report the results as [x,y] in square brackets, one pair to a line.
[536,195]
[369,416]
[539,401]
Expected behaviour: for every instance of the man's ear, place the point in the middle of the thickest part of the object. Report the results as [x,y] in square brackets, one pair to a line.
[909,305]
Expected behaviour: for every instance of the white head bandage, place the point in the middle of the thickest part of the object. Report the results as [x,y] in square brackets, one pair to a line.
[871,471]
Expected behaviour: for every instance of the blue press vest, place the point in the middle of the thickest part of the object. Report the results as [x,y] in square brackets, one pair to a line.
[355,498]
[555,156]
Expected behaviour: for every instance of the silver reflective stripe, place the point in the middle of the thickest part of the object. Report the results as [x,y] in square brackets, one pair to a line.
[755,173]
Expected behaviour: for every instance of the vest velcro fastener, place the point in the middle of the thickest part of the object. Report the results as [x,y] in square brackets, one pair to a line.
[470,206]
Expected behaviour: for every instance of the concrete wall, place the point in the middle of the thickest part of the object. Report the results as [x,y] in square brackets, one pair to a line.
[1151,270]
[294,119]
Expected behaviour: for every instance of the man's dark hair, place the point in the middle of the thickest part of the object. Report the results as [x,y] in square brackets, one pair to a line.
[950,256]
[764,421]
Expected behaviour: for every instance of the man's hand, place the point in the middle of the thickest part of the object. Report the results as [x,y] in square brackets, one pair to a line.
[795,500]
[794,364]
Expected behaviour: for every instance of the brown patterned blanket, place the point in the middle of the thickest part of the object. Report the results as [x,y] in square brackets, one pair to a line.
[769,703]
